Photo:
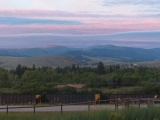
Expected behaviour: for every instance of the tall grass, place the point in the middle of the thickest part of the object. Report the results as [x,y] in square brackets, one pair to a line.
[151,113]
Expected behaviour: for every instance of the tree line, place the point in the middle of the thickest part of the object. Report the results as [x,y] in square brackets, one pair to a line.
[34,79]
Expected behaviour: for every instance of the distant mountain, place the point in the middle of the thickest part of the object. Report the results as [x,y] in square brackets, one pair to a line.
[31,52]
[117,53]
[110,52]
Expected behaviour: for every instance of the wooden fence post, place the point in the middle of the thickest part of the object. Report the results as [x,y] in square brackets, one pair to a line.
[116,106]
[127,103]
[7,109]
[61,108]
[88,106]
[34,109]
[139,103]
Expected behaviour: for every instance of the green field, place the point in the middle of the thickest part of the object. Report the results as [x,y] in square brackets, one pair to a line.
[151,113]
[61,61]
[52,61]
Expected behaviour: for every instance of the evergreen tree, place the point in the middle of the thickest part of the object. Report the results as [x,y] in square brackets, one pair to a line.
[100,68]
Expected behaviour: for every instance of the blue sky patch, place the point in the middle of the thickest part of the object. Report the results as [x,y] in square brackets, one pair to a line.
[27,21]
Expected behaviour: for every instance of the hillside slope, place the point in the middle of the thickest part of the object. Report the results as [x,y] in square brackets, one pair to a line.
[52,61]
[117,53]
[107,52]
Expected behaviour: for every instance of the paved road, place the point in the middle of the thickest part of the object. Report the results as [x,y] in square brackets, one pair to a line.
[58,108]
[55,108]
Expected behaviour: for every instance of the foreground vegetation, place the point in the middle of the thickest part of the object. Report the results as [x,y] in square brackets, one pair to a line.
[99,79]
[151,113]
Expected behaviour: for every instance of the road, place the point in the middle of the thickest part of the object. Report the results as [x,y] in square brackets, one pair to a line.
[58,108]
[55,108]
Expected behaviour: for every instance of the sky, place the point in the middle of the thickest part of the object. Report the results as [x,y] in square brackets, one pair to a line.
[79,23]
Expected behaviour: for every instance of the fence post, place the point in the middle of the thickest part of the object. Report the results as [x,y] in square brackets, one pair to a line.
[139,103]
[34,108]
[88,106]
[61,108]
[116,106]
[127,103]
[7,109]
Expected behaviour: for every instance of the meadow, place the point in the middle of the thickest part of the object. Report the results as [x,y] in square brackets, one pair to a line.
[150,113]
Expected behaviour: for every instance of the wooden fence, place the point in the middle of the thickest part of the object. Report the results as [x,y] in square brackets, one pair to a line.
[116,103]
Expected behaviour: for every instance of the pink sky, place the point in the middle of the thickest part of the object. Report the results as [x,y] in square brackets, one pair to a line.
[82,18]
[87,26]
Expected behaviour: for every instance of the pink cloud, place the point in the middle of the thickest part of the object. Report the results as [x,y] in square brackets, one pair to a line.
[49,13]
[115,26]
[88,26]
[92,23]
[104,28]
[61,14]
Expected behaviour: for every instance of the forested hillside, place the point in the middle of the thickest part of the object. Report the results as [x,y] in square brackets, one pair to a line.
[100,79]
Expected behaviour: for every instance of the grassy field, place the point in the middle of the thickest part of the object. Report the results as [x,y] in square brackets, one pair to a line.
[151,113]
[52,61]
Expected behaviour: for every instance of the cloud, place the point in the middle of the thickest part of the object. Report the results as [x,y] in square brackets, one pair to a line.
[115,19]
[137,36]
[62,5]
[86,26]
[153,15]
[26,21]
[133,2]
[55,14]
[148,39]
[114,7]
[132,7]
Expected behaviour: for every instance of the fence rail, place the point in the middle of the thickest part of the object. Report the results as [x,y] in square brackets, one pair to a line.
[116,103]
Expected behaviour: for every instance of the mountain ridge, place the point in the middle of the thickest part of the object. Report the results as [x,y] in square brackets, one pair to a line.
[116,53]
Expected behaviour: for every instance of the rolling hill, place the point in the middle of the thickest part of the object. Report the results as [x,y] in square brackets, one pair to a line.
[63,56]
[117,53]
[32,52]
[52,61]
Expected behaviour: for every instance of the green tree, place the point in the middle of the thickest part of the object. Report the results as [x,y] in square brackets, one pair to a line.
[4,80]
[100,68]
[73,68]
